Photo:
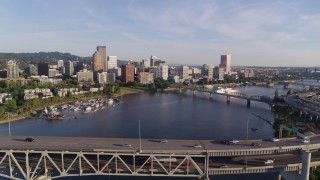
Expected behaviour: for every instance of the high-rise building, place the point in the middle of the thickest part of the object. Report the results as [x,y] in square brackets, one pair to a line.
[145,63]
[184,72]
[112,62]
[163,72]
[207,71]
[60,63]
[226,63]
[153,60]
[12,69]
[78,65]
[53,72]
[146,77]
[69,68]
[127,73]
[97,64]
[103,53]
[43,69]
[31,70]
[85,75]
[106,78]
[219,73]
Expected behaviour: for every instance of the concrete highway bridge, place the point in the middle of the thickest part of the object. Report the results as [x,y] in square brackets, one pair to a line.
[228,94]
[54,157]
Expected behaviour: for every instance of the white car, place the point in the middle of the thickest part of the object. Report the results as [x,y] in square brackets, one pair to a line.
[269,161]
[197,146]
[275,140]
[233,141]
[164,141]
[306,140]
[126,145]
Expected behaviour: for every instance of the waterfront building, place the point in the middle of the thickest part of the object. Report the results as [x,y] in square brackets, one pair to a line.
[219,73]
[103,53]
[195,70]
[53,72]
[184,72]
[97,64]
[226,63]
[207,71]
[85,75]
[43,69]
[12,69]
[162,72]
[127,73]
[44,93]
[69,69]
[112,62]
[64,91]
[146,77]
[106,78]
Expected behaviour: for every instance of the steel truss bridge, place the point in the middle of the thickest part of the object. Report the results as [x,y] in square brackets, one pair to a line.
[177,158]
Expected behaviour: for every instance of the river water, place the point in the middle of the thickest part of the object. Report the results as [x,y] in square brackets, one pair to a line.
[164,115]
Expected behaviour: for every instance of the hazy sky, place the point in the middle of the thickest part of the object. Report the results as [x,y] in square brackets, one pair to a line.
[266,33]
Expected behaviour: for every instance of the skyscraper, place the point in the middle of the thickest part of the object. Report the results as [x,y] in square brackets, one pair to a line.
[69,68]
[103,53]
[97,65]
[207,70]
[112,62]
[226,63]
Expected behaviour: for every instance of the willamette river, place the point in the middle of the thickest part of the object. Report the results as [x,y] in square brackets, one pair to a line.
[164,115]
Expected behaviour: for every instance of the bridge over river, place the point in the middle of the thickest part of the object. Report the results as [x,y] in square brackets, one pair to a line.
[228,94]
[53,157]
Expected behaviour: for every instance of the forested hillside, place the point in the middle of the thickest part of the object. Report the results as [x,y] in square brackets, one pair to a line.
[34,58]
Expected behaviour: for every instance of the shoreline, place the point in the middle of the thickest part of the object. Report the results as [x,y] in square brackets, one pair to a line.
[17,118]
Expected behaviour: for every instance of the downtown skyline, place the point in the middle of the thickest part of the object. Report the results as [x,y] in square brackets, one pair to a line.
[273,33]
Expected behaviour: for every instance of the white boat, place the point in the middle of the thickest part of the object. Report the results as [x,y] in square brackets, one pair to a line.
[88,109]
[110,101]
[220,90]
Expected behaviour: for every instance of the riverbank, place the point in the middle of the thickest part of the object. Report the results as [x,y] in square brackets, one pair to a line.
[123,91]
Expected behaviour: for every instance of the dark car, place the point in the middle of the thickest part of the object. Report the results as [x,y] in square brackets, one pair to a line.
[29,139]
[256,144]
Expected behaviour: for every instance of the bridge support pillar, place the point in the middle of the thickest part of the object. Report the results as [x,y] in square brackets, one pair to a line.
[278,176]
[210,95]
[228,99]
[194,92]
[248,102]
[180,90]
[306,158]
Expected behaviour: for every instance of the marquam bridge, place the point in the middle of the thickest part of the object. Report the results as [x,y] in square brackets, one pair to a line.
[54,157]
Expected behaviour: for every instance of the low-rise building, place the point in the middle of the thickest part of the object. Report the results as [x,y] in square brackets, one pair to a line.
[64,91]
[4,97]
[36,93]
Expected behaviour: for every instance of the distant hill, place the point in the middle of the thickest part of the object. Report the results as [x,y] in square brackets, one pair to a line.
[34,58]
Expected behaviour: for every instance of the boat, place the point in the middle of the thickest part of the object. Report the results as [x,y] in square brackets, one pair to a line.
[88,109]
[220,90]
[110,101]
